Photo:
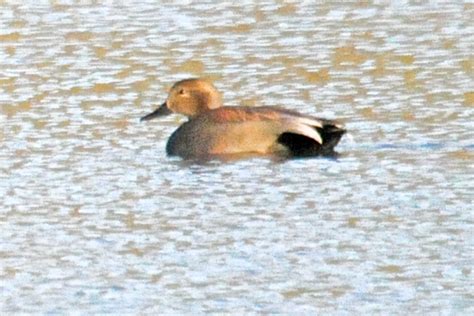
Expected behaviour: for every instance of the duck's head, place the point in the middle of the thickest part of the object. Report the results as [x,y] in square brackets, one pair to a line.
[189,97]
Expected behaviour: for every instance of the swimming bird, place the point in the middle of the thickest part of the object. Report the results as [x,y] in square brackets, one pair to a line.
[213,130]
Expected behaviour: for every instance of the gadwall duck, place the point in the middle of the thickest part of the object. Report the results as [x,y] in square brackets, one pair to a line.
[213,130]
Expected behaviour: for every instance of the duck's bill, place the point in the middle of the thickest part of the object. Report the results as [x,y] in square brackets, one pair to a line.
[162,110]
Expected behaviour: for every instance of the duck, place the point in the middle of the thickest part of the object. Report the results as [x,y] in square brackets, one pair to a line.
[214,130]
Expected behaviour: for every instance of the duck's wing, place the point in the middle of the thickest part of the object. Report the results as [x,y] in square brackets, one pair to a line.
[301,134]
[290,121]
[303,126]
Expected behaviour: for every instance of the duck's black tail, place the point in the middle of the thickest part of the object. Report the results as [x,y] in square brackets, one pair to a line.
[303,146]
[331,133]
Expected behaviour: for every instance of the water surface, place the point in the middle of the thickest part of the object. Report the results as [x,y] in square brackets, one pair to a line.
[96,219]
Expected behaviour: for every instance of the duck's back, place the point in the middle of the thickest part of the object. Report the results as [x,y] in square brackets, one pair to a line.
[261,130]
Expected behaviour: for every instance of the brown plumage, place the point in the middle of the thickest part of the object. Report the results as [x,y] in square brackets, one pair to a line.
[213,130]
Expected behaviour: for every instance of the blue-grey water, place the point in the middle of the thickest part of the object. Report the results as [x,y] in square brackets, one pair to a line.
[95,218]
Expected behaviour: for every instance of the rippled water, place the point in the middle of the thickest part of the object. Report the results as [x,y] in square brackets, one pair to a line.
[96,219]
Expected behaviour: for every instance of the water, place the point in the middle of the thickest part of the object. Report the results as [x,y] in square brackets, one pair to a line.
[96,219]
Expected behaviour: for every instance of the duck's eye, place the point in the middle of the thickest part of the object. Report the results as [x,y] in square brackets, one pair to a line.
[181,91]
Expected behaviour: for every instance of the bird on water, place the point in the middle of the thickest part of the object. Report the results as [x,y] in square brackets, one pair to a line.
[214,130]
